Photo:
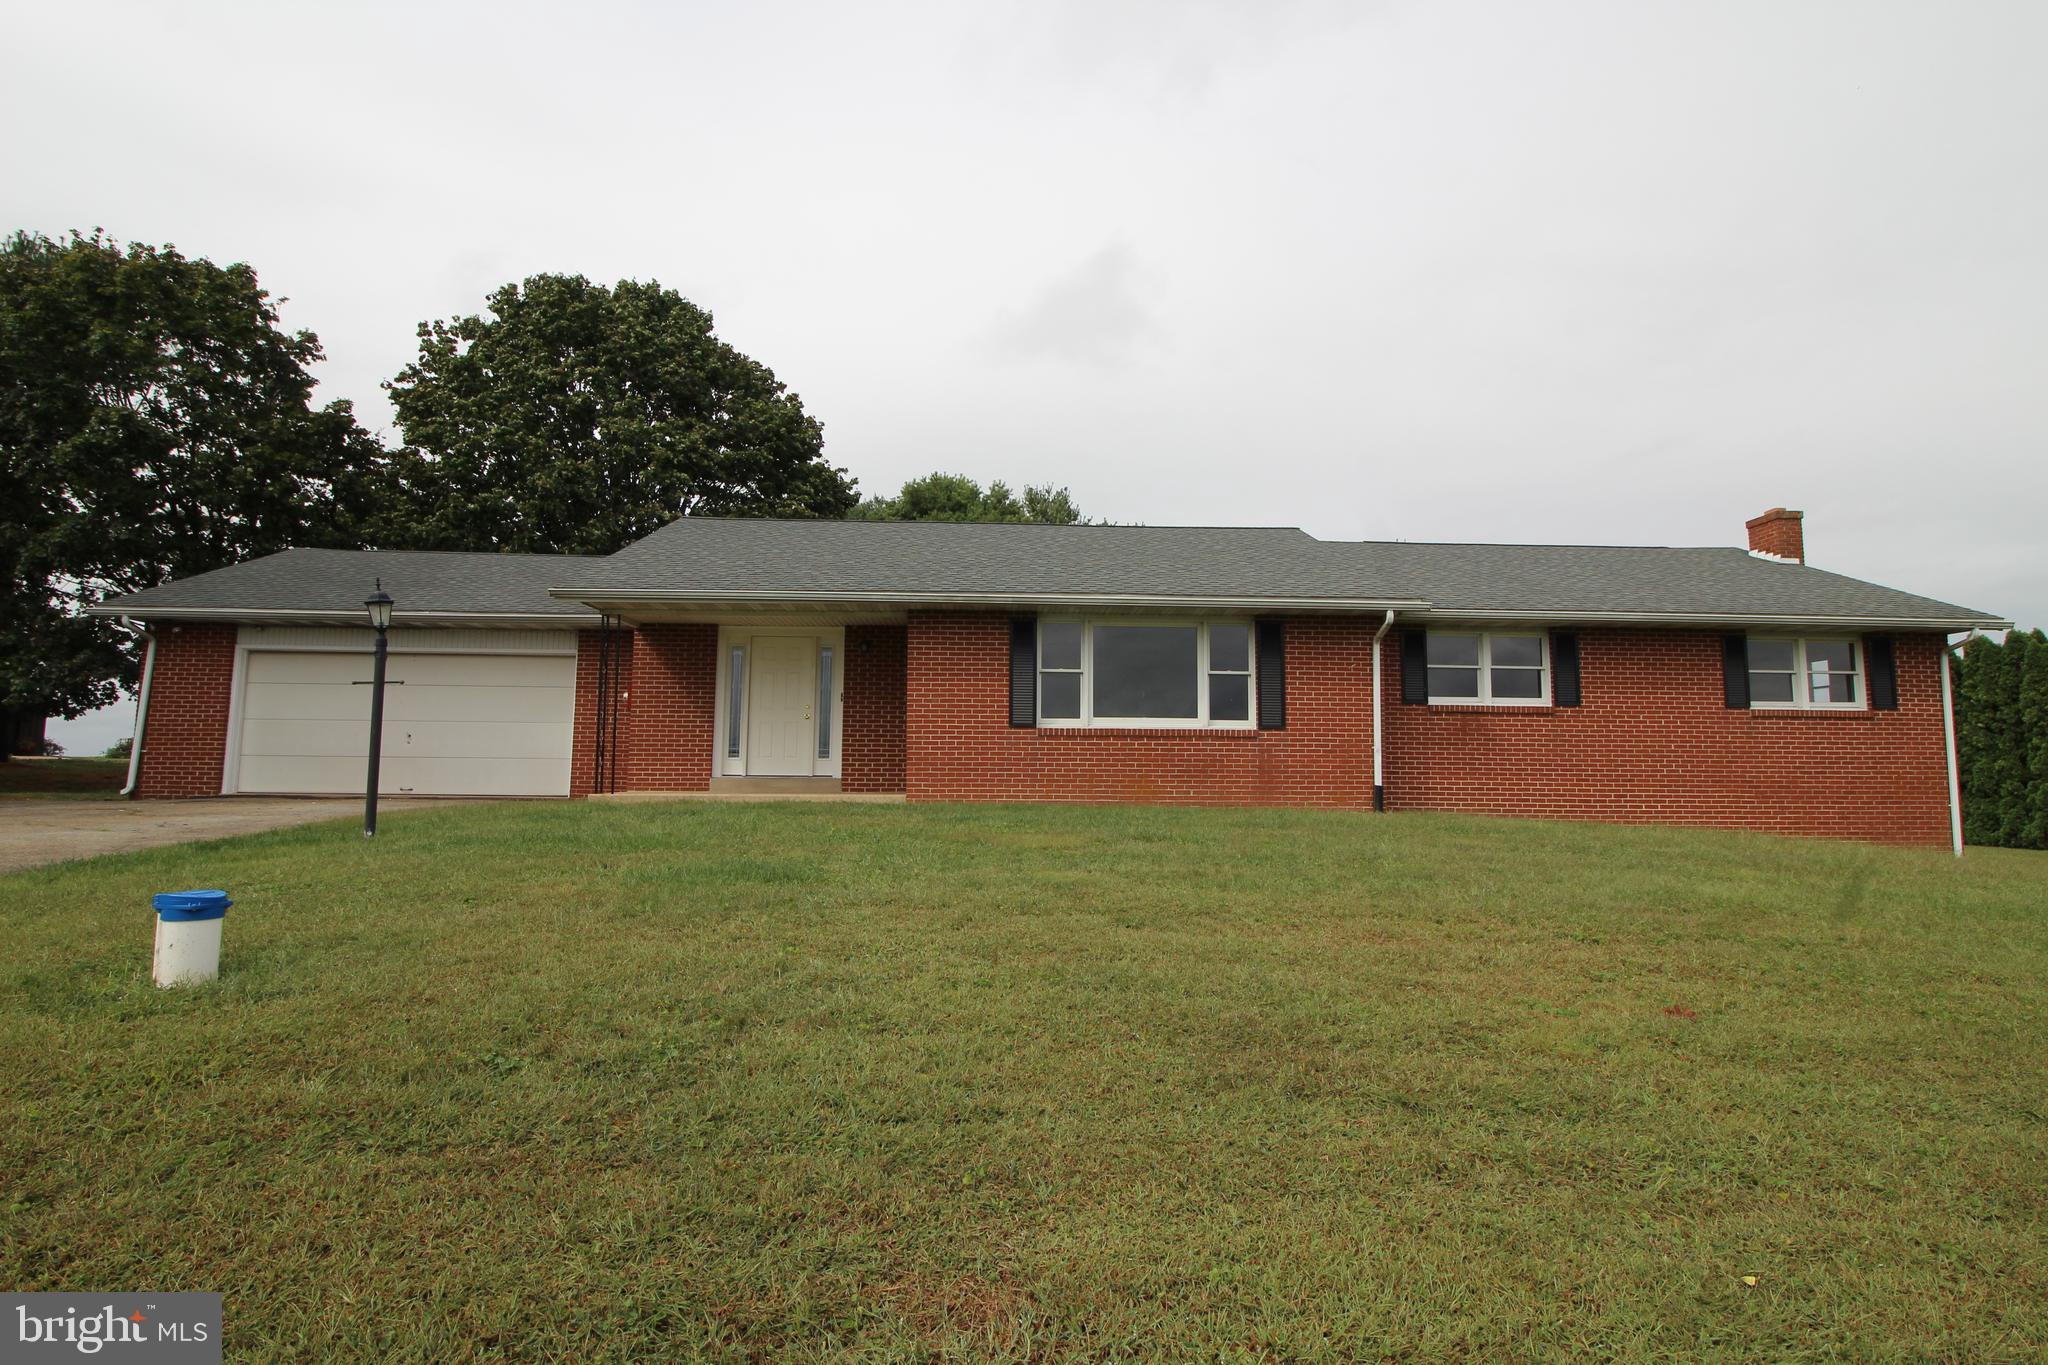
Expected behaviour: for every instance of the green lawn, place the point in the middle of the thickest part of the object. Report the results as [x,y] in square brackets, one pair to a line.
[602,1082]
[63,779]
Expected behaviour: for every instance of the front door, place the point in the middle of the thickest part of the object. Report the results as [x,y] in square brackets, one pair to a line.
[782,693]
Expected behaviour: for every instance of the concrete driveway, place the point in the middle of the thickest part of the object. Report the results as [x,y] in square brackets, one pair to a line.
[34,832]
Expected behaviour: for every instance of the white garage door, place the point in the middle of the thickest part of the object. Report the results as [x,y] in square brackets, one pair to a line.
[454,724]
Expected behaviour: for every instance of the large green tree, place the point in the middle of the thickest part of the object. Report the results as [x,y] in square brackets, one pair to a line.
[955,497]
[577,418]
[155,421]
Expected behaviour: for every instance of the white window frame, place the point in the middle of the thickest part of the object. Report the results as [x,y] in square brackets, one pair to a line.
[1200,721]
[1486,697]
[1802,676]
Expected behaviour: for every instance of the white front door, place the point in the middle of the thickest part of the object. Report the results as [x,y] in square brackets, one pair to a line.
[782,698]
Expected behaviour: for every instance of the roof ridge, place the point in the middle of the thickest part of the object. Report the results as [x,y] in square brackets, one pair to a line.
[470,554]
[929,521]
[1534,545]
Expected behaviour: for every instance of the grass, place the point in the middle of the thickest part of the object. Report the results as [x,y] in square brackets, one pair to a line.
[601,1082]
[62,779]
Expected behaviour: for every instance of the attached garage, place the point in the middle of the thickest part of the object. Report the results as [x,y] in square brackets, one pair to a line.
[466,713]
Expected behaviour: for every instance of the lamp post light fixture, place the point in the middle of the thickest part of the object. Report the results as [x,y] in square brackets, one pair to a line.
[379,606]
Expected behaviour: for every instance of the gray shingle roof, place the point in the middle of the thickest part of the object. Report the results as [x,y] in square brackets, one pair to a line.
[1602,580]
[718,557]
[728,560]
[313,582]
[713,559]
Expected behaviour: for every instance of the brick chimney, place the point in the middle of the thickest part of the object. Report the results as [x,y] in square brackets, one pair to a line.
[1778,533]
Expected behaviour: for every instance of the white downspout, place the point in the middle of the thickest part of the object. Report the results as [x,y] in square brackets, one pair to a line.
[1948,734]
[1379,763]
[141,708]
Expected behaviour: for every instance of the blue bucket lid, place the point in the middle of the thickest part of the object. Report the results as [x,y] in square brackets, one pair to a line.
[189,905]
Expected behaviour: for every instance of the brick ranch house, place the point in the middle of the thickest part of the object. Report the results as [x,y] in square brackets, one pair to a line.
[945,662]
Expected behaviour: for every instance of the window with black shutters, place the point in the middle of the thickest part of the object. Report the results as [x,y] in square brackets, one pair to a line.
[1115,672]
[1487,668]
[1805,673]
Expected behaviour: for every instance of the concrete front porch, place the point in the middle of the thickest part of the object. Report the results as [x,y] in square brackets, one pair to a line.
[758,789]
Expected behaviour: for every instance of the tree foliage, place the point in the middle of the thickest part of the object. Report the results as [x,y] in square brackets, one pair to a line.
[2033,724]
[2002,740]
[155,422]
[577,418]
[955,497]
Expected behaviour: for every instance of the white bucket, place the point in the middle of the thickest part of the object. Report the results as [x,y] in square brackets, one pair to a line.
[188,925]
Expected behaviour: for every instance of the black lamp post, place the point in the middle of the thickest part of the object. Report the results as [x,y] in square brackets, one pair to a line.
[379,605]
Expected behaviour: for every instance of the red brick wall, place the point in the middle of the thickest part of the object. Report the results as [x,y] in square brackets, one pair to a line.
[961,747]
[927,712]
[871,749]
[582,776]
[1654,744]
[184,739]
[669,717]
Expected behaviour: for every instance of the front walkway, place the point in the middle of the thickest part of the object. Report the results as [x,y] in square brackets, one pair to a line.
[36,832]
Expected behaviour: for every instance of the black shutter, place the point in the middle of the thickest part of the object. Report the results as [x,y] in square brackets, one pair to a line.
[1735,671]
[1272,675]
[1023,672]
[1564,668]
[1883,669]
[1415,667]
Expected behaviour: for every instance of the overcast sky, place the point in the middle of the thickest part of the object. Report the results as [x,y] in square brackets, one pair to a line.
[1613,273]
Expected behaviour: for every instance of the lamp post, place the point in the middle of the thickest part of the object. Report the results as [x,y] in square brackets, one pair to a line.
[379,607]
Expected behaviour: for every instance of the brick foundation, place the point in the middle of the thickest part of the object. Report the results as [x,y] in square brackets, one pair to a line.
[185,739]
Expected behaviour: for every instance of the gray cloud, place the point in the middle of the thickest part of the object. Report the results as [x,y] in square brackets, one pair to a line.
[1093,314]
[1178,50]
[1590,271]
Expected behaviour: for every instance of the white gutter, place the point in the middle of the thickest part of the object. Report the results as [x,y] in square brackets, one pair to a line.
[1717,619]
[141,710]
[1948,733]
[658,596]
[558,620]
[1379,768]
